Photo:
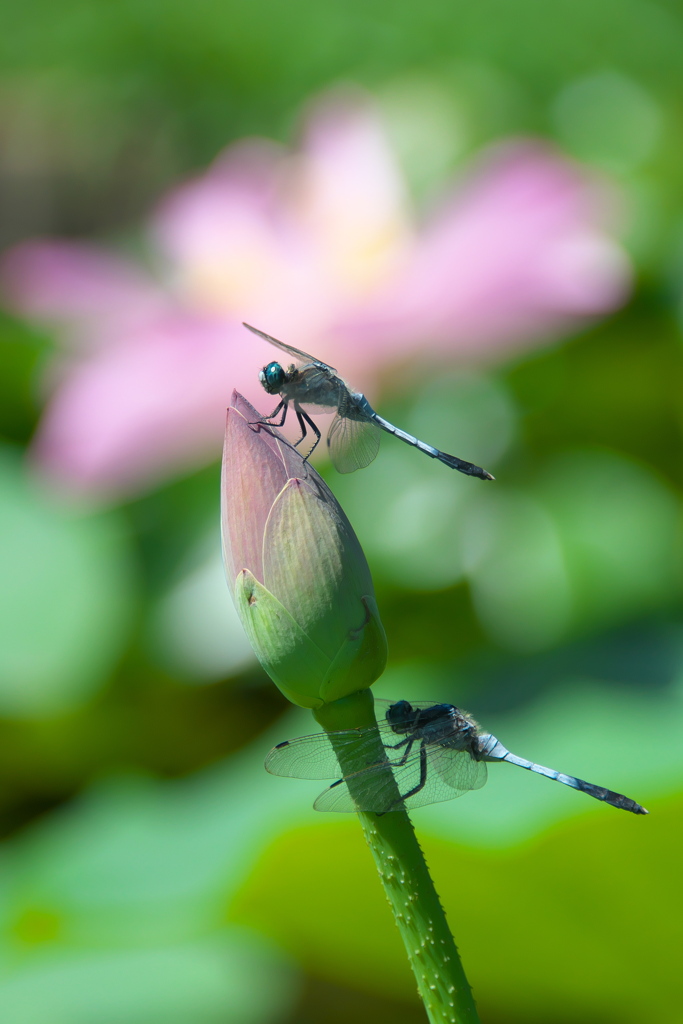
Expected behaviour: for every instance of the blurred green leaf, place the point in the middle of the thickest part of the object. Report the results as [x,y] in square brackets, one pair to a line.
[609,120]
[595,540]
[20,353]
[234,977]
[406,514]
[66,597]
[142,90]
[558,922]
[194,628]
[575,558]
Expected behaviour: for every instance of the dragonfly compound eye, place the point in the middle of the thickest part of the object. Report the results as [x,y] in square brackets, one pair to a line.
[399,713]
[272,377]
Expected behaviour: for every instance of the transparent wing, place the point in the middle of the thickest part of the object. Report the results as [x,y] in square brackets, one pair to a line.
[437,772]
[313,757]
[306,757]
[297,353]
[449,775]
[374,791]
[353,441]
[317,387]
[458,769]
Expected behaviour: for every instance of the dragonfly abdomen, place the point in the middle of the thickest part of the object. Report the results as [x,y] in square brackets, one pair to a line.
[598,792]
[449,460]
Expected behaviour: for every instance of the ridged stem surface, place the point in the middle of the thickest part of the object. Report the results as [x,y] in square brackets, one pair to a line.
[420,918]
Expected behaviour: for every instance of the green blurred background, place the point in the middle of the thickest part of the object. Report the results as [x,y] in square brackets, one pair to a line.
[150,870]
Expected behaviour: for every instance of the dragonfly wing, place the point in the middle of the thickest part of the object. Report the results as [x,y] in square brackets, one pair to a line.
[306,757]
[457,769]
[316,387]
[394,786]
[373,790]
[432,772]
[336,798]
[353,443]
[314,757]
[297,353]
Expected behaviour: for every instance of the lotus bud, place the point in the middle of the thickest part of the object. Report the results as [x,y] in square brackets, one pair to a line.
[298,575]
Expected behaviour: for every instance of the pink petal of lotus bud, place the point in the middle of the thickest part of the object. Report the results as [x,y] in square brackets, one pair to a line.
[298,575]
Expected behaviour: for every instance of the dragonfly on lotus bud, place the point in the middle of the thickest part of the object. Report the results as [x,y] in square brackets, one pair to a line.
[432,752]
[353,437]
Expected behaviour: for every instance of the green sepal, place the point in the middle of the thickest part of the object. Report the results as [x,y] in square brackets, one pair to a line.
[360,660]
[354,711]
[287,654]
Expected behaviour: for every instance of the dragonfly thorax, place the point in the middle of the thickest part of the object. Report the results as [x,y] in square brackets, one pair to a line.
[272,378]
[441,724]
[404,718]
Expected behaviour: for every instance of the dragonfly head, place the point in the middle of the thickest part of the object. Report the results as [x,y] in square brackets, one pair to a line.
[401,716]
[272,378]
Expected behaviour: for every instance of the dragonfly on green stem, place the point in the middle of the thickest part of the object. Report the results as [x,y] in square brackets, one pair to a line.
[353,437]
[432,752]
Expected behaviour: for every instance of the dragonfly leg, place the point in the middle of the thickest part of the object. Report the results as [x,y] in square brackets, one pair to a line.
[283,405]
[266,419]
[300,418]
[397,746]
[304,418]
[409,746]
[423,773]
[407,742]
[421,783]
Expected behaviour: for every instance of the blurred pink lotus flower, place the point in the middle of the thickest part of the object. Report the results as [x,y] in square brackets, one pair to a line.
[296,571]
[320,247]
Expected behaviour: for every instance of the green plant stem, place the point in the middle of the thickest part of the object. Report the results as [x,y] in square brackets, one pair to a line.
[420,918]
